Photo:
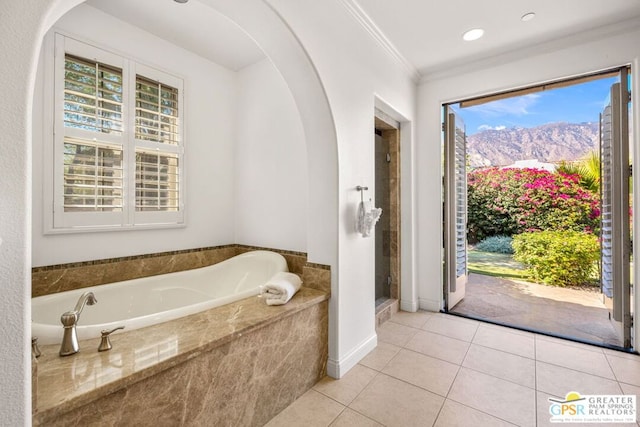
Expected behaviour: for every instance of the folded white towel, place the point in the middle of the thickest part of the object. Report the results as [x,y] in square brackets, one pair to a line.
[281,288]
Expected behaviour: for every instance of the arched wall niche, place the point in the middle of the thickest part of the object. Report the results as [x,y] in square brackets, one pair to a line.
[21,41]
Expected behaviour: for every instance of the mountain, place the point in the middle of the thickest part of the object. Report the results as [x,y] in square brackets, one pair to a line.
[550,143]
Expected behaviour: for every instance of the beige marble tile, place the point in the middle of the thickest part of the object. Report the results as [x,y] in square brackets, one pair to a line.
[351,418]
[312,409]
[505,340]
[392,402]
[349,386]
[572,357]
[235,355]
[626,370]
[559,381]
[454,414]
[381,355]
[415,320]
[429,373]
[439,346]
[452,327]
[317,278]
[393,333]
[502,399]
[508,366]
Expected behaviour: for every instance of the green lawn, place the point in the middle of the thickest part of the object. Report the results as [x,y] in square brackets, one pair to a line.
[492,264]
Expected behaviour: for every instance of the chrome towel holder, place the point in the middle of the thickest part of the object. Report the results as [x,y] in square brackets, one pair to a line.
[362,189]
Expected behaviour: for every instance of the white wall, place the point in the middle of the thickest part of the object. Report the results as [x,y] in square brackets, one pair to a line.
[271,180]
[210,110]
[354,70]
[586,53]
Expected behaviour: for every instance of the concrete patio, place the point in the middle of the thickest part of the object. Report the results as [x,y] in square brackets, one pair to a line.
[576,313]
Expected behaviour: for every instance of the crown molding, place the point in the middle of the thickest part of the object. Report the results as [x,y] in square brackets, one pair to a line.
[365,21]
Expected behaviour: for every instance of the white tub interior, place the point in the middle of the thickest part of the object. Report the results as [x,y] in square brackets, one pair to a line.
[146,301]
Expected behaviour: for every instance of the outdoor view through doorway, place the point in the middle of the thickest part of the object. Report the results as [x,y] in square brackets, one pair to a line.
[537,201]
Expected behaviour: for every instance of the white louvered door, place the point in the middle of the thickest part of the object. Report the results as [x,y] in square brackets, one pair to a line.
[615,232]
[455,209]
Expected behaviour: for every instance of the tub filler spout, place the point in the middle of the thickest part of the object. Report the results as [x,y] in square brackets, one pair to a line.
[69,321]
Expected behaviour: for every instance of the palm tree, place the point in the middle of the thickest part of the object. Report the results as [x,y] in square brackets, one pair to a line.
[588,168]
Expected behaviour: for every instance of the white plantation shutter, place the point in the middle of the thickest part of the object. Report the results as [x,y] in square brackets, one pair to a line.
[92,110]
[455,208]
[157,182]
[606,233]
[92,96]
[461,200]
[157,132]
[156,112]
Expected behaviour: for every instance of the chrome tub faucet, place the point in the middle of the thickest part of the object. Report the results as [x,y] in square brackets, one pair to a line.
[69,321]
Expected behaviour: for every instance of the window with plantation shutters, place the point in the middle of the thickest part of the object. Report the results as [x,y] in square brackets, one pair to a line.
[118,149]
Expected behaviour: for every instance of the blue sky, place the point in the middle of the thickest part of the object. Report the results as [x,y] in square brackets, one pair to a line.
[573,104]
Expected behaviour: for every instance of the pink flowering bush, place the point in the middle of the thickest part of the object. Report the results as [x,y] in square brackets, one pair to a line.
[513,201]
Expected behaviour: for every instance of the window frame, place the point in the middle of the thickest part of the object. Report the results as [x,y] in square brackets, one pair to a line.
[56,219]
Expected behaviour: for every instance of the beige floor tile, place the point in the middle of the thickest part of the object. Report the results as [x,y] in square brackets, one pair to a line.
[569,343]
[311,409]
[452,327]
[544,417]
[415,320]
[439,346]
[350,418]
[394,333]
[559,381]
[392,402]
[508,366]
[432,374]
[502,399]
[380,356]
[454,414]
[621,354]
[573,357]
[349,386]
[505,340]
[506,329]
[626,370]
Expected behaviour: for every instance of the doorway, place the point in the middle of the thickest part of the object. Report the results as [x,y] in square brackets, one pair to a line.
[387,230]
[526,197]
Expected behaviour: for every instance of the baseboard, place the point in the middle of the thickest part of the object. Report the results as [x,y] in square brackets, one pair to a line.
[410,306]
[430,305]
[337,368]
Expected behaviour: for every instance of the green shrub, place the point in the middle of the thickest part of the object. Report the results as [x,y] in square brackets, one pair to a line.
[512,201]
[558,258]
[496,244]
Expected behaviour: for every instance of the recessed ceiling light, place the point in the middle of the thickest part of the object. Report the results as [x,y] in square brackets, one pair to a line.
[180,1]
[474,34]
[528,16]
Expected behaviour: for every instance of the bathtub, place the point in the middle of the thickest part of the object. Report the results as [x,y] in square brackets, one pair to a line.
[150,300]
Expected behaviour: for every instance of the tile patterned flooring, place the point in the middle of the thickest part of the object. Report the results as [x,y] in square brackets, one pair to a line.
[433,369]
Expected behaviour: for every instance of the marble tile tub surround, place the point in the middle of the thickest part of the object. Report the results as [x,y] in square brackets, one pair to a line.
[238,364]
[64,277]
